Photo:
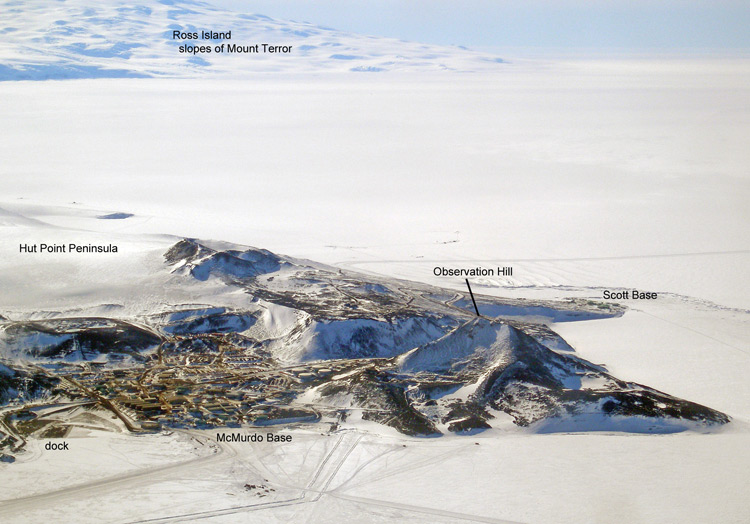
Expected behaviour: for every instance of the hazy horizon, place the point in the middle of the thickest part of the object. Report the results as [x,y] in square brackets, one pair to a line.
[616,25]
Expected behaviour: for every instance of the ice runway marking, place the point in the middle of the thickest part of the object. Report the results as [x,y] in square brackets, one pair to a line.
[20,504]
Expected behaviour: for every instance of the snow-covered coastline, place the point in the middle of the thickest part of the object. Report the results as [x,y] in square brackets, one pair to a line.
[363,163]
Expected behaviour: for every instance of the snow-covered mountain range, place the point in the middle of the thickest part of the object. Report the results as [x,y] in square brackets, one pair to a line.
[256,325]
[85,39]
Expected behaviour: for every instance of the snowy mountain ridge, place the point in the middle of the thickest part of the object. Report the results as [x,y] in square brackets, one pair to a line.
[85,39]
[320,342]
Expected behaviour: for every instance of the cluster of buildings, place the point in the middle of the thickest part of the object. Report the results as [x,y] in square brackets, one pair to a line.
[205,385]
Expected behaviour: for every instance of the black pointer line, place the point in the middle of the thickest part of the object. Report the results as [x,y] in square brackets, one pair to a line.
[472,297]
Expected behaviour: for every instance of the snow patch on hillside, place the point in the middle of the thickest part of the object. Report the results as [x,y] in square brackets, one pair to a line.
[84,39]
